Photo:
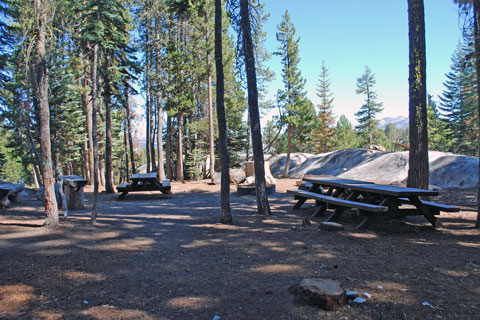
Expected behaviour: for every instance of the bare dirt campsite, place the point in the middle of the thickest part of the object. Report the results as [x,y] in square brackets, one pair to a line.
[153,257]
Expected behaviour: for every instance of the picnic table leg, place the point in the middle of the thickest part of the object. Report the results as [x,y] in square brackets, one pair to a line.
[127,189]
[320,210]
[367,220]
[159,186]
[425,211]
[299,203]
[336,214]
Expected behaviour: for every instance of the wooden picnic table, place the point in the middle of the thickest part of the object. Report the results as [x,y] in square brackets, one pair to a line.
[144,182]
[370,199]
[9,193]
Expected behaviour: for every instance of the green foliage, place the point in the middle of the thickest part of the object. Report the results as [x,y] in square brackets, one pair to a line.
[345,135]
[196,163]
[438,131]
[366,116]
[458,102]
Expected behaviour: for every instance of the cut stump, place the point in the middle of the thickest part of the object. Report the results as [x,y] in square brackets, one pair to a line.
[324,293]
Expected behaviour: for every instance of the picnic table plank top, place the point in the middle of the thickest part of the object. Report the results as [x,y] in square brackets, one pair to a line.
[12,187]
[334,182]
[144,176]
[396,191]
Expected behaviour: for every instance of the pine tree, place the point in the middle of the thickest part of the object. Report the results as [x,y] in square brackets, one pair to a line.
[438,132]
[293,94]
[366,116]
[325,123]
[345,136]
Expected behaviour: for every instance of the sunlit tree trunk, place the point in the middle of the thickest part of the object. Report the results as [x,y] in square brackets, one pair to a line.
[418,154]
[226,216]
[259,163]
[41,92]
[476,11]
[160,168]
[180,149]
[94,133]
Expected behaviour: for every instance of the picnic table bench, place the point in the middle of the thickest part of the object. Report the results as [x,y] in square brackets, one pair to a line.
[144,182]
[384,199]
[10,193]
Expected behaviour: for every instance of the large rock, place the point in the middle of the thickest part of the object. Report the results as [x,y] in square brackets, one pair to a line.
[454,171]
[333,163]
[237,176]
[277,163]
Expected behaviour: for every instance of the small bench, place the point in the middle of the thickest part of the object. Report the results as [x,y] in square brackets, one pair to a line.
[434,206]
[344,204]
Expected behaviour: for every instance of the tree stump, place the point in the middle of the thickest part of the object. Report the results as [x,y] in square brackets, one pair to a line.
[324,293]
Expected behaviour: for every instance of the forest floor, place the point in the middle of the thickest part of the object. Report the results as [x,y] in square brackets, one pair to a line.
[153,257]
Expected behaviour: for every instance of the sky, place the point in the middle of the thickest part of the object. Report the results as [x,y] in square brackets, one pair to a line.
[351,34]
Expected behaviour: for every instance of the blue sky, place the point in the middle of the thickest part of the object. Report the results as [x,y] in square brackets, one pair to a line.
[350,34]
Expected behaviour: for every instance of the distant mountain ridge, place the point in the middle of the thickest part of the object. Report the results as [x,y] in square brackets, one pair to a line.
[400,122]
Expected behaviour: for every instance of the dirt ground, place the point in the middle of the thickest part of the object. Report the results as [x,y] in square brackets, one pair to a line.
[152,257]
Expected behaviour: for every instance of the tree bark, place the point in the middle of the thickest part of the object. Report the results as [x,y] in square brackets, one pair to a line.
[476,14]
[210,94]
[41,91]
[418,154]
[94,133]
[180,149]
[160,168]
[289,149]
[226,216]
[129,128]
[262,199]
[168,147]
[108,132]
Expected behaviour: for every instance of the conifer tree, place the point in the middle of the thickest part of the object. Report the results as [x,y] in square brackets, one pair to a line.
[345,136]
[292,95]
[367,114]
[325,123]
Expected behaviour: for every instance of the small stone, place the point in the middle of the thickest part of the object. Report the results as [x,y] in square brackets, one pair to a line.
[367,295]
[427,304]
[216,318]
[85,302]
[351,294]
[380,287]
[359,300]
[331,226]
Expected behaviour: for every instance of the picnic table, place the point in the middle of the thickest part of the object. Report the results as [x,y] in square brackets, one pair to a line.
[144,182]
[73,189]
[370,199]
[9,193]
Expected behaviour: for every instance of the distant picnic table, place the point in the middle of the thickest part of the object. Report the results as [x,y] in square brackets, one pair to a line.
[144,182]
[9,193]
[370,199]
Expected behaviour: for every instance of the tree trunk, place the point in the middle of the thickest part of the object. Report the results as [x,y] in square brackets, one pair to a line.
[125,150]
[94,133]
[262,199]
[129,128]
[147,101]
[180,149]
[476,13]
[289,148]
[41,91]
[418,154]
[210,96]
[108,133]
[36,176]
[168,147]
[160,168]
[226,216]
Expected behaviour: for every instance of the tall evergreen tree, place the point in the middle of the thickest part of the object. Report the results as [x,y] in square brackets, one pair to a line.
[367,114]
[325,124]
[418,153]
[293,94]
